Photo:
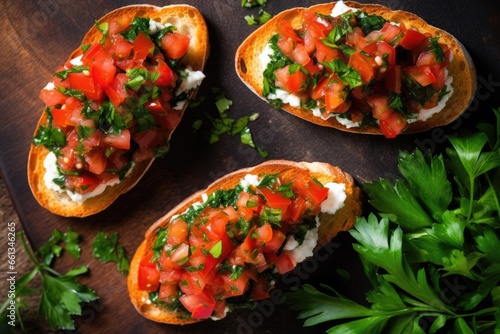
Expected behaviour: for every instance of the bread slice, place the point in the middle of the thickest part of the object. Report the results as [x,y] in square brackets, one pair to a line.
[250,71]
[342,220]
[188,21]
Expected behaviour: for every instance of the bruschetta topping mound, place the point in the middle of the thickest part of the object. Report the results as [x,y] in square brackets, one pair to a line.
[359,68]
[114,105]
[226,250]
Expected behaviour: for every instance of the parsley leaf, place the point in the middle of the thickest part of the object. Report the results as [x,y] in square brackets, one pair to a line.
[61,295]
[107,249]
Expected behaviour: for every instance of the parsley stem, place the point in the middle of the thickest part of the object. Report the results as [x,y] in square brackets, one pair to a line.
[31,256]
[471,198]
[18,288]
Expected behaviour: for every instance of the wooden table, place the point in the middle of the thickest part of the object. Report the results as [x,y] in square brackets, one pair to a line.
[37,36]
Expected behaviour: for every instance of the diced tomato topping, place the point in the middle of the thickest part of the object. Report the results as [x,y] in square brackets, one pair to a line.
[393,125]
[411,39]
[284,263]
[365,65]
[285,28]
[97,161]
[143,46]
[291,82]
[116,90]
[52,97]
[200,305]
[175,45]
[421,74]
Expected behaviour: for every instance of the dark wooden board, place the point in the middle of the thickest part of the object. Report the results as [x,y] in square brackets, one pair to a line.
[37,36]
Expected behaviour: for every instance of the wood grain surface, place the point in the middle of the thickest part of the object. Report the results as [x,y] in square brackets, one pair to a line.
[37,36]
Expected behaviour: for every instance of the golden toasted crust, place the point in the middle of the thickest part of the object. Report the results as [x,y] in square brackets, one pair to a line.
[330,225]
[462,69]
[188,21]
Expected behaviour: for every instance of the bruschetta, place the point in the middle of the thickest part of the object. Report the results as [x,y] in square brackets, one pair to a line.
[227,245]
[113,106]
[360,68]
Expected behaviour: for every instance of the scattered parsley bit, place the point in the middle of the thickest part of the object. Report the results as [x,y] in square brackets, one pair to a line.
[107,249]
[52,138]
[61,296]
[252,3]
[223,124]
[216,249]
[262,18]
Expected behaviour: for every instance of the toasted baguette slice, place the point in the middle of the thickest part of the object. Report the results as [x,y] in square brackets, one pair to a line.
[250,71]
[342,220]
[188,21]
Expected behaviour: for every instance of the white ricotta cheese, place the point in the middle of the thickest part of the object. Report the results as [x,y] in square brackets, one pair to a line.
[265,56]
[249,180]
[51,173]
[336,198]
[286,97]
[192,79]
[347,122]
[76,61]
[341,8]
[299,253]
[155,26]
[50,86]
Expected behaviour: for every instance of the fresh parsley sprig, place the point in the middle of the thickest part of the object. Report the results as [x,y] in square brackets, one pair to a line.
[61,295]
[439,221]
[107,249]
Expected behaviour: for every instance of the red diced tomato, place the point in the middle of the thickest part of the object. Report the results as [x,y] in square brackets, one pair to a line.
[102,69]
[264,234]
[275,200]
[284,263]
[316,192]
[296,209]
[121,140]
[90,53]
[148,278]
[86,84]
[390,32]
[356,39]
[143,46]
[421,74]
[327,54]
[96,160]
[285,28]
[61,117]
[116,90]
[236,287]
[52,97]
[411,39]
[286,45]
[200,305]
[175,45]
[177,232]
[393,125]
[166,77]
[276,241]
[300,54]
[168,292]
[380,106]
[291,82]
[118,24]
[365,65]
